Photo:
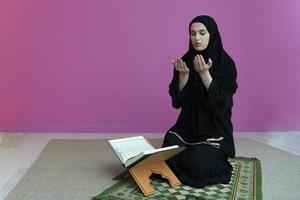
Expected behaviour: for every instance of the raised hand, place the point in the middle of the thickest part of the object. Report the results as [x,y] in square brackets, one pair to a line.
[180,66]
[183,70]
[200,65]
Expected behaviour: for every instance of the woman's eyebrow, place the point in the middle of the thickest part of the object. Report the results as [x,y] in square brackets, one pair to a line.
[197,30]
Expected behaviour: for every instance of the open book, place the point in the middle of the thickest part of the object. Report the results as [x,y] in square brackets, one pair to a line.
[134,149]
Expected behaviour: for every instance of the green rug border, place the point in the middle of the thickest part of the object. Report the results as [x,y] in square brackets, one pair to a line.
[258,168]
[259,179]
[258,187]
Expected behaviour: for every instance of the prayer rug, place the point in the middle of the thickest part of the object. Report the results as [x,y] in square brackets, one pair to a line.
[246,183]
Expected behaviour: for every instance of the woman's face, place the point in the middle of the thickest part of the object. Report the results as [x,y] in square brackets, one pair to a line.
[199,36]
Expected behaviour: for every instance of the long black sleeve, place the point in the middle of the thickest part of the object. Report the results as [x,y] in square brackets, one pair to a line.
[178,97]
[220,93]
[219,99]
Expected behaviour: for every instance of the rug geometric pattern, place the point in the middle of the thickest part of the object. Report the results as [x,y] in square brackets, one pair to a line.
[245,184]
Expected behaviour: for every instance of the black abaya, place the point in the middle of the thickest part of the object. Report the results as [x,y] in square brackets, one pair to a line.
[205,116]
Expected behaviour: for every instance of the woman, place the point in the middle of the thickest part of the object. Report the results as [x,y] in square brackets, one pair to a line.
[203,84]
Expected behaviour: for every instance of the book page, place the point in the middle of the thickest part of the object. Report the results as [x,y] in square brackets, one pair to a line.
[131,147]
[160,149]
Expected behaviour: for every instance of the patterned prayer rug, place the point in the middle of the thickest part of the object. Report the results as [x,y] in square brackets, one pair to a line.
[245,184]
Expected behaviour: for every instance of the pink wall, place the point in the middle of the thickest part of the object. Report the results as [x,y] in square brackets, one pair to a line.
[104,66]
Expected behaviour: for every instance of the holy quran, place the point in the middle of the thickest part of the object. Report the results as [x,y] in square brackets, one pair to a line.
[132,150]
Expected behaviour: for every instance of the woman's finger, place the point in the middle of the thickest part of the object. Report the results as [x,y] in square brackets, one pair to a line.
[195,64]
[182,66]
[185,67]
[199,62]
[210,63]
[174,62]
[181,63]
[201,59]
[178,65]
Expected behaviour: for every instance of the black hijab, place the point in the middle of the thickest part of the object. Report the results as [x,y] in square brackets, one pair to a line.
[223,69]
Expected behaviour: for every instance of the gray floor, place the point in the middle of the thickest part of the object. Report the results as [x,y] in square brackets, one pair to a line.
[18,151]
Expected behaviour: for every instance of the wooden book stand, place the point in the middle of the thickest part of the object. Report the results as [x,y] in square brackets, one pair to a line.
[142,169]
[142,173]
[154,163]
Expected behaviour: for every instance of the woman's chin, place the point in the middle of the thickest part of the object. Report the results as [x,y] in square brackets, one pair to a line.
[199,48]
